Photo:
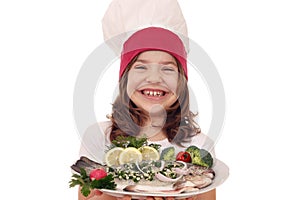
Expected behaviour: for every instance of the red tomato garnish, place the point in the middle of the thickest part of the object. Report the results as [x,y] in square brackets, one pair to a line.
[97,174]
[184,156]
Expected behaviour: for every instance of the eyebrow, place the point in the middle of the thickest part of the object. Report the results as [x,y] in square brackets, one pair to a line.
[163,62]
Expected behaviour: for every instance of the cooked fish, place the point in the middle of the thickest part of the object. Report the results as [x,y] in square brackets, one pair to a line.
[153,176]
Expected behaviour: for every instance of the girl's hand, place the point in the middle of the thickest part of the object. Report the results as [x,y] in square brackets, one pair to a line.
[160,198]
[124,198]
[94,193]
[164,198]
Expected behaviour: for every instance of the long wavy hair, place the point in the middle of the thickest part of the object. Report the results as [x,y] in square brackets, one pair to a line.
[127,119]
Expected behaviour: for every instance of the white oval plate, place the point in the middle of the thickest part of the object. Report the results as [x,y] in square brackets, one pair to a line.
[221,171]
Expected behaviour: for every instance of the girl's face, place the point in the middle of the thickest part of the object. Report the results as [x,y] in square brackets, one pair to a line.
[152,80]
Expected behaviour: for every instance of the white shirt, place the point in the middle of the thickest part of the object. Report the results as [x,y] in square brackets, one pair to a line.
[95,142]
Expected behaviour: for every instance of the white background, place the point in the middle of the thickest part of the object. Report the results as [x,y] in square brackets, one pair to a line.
[255,46]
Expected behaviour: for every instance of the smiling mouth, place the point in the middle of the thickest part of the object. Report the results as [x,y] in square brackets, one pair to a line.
[154,93]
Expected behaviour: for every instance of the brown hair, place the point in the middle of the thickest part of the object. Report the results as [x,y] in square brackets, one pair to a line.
[127,118]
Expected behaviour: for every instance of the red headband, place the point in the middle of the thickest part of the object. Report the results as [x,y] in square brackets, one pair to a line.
[153,38]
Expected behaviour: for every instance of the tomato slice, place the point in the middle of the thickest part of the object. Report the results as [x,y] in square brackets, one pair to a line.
[184,156]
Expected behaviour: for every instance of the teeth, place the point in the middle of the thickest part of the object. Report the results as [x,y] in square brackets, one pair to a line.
[153,93]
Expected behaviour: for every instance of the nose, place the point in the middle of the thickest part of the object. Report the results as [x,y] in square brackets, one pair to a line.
[153,75]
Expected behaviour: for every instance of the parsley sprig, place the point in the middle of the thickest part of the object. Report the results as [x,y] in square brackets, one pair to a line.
[129,141]
[87,184]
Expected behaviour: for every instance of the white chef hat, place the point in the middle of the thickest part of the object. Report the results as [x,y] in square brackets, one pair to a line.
[125,17]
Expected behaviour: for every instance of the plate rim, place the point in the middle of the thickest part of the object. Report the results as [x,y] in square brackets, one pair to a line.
[218,167]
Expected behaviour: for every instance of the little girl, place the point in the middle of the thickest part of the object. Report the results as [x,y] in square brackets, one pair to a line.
[153,100]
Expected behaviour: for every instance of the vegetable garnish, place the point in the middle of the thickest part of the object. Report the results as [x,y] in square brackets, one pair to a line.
[183,156]
[97,174]
[168,154]
[155,146]
[87,183]
[129,141]
[200,156]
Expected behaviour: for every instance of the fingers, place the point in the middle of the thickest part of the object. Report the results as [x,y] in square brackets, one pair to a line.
[91,195]
[192,198]
[94,193]
[160,198]
[154,198]
[97,193]
[124,198]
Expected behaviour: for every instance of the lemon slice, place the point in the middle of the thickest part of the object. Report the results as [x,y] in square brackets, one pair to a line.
[130,155]
[149,153]
[112,156]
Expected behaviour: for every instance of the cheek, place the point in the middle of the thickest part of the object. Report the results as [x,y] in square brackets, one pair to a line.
[130,89]
[172,83]
[131,84]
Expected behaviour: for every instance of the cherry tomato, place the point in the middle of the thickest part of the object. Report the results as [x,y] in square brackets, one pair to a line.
[97,174]
[184,156]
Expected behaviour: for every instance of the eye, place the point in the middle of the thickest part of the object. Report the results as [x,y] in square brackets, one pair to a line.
[168,68]
[140,67]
